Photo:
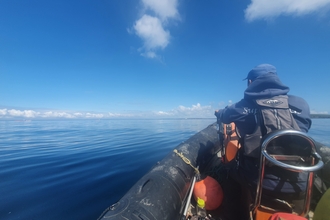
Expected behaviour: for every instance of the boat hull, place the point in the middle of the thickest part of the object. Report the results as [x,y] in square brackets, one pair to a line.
[162,192]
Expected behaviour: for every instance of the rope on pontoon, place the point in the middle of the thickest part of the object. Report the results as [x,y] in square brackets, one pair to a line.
[186,160]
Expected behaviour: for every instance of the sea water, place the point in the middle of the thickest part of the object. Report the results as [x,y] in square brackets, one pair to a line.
[75,169]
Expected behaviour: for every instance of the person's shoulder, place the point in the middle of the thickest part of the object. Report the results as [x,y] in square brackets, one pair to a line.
[298,102]
[299,105]
[297,99]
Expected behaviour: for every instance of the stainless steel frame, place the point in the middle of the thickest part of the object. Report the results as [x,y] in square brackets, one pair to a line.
[278,160]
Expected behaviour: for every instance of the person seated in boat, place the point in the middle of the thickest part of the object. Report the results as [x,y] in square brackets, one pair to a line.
[264,84]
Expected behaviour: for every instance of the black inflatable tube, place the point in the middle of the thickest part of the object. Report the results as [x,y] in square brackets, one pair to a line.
[324,173]
[161,193]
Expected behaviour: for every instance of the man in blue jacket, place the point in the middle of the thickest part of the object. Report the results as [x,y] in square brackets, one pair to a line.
[263,83]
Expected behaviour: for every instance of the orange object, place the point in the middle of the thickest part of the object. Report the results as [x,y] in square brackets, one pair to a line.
[231,143]
[210,191]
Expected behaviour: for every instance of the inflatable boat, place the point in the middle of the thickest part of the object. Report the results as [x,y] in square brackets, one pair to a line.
[168,190]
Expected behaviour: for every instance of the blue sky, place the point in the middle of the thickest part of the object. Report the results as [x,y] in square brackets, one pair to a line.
[156,58]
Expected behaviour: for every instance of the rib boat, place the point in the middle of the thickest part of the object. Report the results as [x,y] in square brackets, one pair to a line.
[167,191]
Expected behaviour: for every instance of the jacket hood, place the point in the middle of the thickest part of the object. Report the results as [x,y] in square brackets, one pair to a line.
[266,86]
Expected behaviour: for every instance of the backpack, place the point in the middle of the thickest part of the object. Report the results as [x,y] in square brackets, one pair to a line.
[271,114]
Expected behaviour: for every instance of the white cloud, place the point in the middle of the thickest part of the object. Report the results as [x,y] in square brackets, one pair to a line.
[24,113]
[118,115]
[267,9]
[51,114]
[3,111]
[162,113]
[150,27]
[164,8]
[195,111]
[197,107]
[92,115]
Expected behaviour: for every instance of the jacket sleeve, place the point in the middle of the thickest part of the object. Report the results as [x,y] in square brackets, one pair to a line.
[233,113]
[300,112]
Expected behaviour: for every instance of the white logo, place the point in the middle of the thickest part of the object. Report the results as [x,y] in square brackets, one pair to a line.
[249,111]
[272,101]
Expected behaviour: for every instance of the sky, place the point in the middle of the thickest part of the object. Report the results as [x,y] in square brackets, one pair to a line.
[156,58]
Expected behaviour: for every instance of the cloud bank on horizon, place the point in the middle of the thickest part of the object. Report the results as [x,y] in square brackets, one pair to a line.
[195,111]
[153,26]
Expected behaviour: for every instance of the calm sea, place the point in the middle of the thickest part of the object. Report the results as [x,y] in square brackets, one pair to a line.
[76,169]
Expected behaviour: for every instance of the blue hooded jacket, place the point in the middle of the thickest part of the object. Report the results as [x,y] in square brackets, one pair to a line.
[264,86]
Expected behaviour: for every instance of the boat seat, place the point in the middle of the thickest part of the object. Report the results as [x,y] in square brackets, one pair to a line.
[285,151]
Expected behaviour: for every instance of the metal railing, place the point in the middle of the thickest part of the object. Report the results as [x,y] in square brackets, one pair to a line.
[314,159]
